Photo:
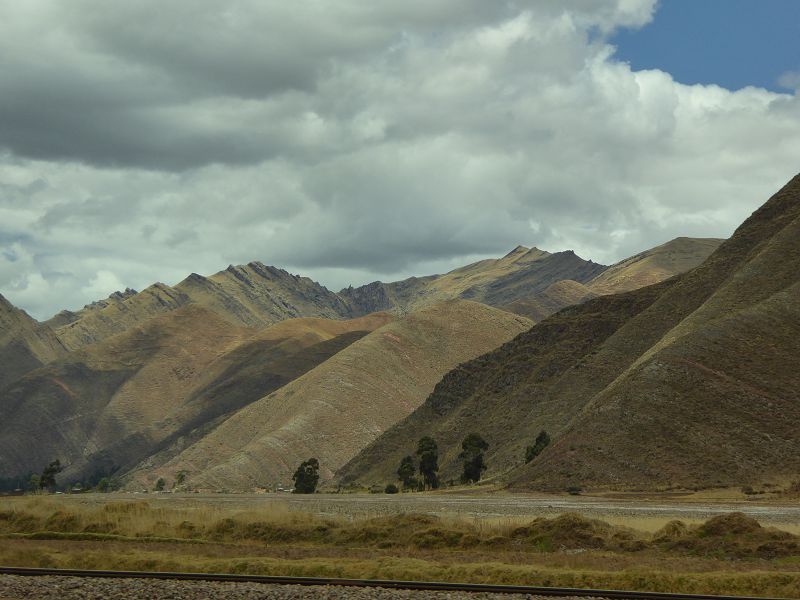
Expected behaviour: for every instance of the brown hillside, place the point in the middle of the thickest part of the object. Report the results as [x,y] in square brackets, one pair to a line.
[654,265]
[690,382]
[334,410]
[24,344]
[251,295]
[520,274]
[115,403]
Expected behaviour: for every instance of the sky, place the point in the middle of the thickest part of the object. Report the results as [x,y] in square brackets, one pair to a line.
[352,140]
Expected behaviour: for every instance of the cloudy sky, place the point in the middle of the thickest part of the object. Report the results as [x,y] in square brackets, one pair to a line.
[354,140]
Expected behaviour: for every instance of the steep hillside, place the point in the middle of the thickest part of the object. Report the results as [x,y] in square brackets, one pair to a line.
[108,407]
[690,382]
[24,344]
[654,265]
[520,274]
[337,408]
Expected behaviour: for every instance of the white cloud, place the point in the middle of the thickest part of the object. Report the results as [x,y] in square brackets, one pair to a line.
[790,80]
[352,141]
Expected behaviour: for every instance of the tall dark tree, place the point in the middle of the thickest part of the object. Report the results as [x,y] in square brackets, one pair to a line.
[406,472]
[306,477]
[428,453]
[47,480]
[472,449]
[542,441]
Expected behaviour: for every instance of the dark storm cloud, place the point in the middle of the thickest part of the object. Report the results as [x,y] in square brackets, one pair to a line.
[352,140]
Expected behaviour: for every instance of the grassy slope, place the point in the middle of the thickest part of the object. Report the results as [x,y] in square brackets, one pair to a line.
[113,404]
[673,384]
[335,409]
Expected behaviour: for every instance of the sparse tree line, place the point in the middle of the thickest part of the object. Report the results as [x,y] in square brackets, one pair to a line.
[472,456]
[306,476]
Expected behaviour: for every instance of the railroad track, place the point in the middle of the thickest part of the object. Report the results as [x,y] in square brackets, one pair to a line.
[374,583]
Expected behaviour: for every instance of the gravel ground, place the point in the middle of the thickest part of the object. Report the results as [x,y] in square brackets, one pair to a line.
[479,506]
[68,588]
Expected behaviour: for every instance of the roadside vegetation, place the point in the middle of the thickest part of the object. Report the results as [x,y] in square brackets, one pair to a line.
[728,554]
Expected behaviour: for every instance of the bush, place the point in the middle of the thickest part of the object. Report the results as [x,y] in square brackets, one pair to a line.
[391,489]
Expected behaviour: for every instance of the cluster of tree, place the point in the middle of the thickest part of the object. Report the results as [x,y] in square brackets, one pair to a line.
[428,453]
[472,455]
[542,441]
[472,449]
[306,477]
[180,478]
[47,479]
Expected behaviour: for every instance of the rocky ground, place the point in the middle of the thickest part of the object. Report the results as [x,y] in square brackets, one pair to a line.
[68,588]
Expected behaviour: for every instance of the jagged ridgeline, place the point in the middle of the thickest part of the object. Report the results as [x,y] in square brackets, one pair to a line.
[691,382]
[143,385]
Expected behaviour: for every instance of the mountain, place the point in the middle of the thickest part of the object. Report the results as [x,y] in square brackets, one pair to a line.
[691,382]
[111,405]
[561,294]
[646,268]
[255,295]
[496,282]
[24,344]
[337,408]
[251,295]
[654,265]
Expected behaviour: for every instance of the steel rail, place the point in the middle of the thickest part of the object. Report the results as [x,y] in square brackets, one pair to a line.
[429,586]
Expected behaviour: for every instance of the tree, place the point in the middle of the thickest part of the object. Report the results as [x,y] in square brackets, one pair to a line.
[542,441]
[47,480]
[181,477]
[406,472]
[160,484]
[428,453]
[104,485]
[472,449]
[306,477]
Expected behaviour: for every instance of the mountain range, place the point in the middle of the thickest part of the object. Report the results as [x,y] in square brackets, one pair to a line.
[690,382]
[234,378]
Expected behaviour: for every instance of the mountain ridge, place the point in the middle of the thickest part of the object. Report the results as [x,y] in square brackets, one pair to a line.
[630,386]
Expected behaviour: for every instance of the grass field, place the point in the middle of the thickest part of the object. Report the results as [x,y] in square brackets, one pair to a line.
[728,554]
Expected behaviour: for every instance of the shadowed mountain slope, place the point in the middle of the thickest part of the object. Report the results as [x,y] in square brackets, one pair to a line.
[557,296]
[689,382]
[24,344]
[108,407]
[334,410]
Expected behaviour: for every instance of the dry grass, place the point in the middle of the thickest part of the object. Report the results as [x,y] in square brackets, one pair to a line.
[728,554]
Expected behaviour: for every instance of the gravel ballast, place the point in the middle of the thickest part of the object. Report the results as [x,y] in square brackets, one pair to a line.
[96,588]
